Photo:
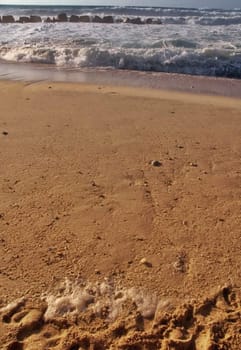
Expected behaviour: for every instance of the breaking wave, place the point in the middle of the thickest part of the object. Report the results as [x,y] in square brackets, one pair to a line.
[211,62]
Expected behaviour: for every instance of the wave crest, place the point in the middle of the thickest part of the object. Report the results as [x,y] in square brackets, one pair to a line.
[207,61]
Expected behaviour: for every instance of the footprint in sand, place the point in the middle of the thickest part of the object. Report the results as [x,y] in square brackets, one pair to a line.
[213,324]
[28,328]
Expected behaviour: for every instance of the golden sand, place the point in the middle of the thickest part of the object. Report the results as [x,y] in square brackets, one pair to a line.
[120,216]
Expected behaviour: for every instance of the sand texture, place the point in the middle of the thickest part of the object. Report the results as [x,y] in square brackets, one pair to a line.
[120,216]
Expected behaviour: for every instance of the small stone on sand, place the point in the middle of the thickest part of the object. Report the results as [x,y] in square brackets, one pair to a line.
[144,261]
[156,163]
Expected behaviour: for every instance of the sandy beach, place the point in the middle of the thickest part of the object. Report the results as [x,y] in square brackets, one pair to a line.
[120,215]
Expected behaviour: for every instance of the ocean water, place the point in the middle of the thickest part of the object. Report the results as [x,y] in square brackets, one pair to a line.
[189,41]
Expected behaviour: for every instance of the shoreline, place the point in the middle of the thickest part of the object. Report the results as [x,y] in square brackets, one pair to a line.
[145,247]
[216,86]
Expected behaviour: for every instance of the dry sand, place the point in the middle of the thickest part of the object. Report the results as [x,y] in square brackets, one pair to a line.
[99,248]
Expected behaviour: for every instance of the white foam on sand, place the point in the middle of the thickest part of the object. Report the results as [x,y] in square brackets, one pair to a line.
[102,299]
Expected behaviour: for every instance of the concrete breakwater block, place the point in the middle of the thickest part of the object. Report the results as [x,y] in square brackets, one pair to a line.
[35,19]
[8,19]
[84,19]
[74,18]
[136,20]
[108,19]
[62,17]
[24,19]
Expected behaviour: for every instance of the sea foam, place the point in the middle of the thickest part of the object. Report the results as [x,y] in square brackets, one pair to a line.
[102,299]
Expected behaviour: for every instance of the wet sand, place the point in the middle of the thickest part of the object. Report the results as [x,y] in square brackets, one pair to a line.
[149,80]
[119,218]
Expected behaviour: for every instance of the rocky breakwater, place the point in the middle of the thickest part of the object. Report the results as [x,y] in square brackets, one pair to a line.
[62,17]
[142,21]
[83,19]
[22,19]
